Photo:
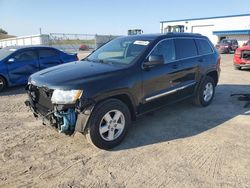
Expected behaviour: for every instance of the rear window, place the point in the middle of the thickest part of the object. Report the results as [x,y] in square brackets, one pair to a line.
[185,48]
[47,53]
[203,47]
[225,41]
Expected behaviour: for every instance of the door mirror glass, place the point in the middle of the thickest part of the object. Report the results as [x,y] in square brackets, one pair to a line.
[11,60]
[154,60]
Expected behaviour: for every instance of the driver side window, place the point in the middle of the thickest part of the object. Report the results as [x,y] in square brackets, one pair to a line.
[25,56]
[166,49]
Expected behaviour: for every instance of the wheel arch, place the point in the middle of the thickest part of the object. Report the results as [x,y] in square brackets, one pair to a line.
[214,75]
[83,118]
[5,79]
[127,101]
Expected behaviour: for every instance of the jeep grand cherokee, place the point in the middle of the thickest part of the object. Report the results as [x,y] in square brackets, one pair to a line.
[125,78]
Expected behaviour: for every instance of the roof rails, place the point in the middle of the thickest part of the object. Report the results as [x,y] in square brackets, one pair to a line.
[180,33]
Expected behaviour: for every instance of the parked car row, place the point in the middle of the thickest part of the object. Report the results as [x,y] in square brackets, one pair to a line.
[227,45]
[18,63]
[241,57]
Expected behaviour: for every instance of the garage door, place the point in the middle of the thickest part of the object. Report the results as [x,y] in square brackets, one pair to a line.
[206,30]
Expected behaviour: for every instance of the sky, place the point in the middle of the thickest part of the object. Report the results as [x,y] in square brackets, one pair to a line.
[25,17]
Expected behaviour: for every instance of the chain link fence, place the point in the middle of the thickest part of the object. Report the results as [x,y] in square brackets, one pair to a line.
[78,42]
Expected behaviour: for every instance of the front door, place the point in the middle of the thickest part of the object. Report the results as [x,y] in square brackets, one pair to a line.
[165,83]
[24,63]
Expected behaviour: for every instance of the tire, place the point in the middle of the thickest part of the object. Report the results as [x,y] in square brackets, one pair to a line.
[102,128]
[237,67]
[3,83]
[207,86]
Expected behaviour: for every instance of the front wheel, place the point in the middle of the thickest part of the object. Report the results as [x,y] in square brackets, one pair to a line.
[237,67]
[108,124]
[205,92]
[3,83]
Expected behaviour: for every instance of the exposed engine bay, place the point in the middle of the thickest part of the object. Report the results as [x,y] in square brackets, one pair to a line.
[61,116]
[246,54]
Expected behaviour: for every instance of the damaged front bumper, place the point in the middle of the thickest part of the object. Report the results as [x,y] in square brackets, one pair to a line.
[67,118]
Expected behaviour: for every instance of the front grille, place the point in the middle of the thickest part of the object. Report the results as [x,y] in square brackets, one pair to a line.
[41,97]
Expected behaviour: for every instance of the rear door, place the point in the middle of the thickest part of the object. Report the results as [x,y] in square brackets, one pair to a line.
[205,52]
[48,57]
[187,55]
[25,63]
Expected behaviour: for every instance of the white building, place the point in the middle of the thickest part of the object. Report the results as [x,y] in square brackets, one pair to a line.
[25,40]
[215,28]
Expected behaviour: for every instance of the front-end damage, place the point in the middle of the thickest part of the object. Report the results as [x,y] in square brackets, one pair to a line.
[246,54]
[66,118]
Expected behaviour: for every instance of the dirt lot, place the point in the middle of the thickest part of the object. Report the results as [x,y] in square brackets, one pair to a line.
[179,146]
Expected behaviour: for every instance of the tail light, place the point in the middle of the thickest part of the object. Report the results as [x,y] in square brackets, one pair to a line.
[237,53]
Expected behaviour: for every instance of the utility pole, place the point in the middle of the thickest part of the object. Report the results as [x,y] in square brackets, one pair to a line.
[40,30]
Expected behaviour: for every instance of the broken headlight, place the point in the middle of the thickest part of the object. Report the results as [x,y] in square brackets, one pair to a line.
[65,96]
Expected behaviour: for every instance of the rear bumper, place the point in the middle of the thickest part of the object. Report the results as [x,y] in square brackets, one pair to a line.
[240,62]
[242,65]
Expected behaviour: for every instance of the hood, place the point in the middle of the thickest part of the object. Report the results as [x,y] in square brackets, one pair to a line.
[71,74]
[244,48]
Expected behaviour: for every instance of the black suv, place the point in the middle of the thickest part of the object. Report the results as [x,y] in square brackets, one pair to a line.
[125,78]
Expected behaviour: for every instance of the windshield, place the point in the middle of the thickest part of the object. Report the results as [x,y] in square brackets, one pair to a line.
[119,51]
[5,53]
[226,42]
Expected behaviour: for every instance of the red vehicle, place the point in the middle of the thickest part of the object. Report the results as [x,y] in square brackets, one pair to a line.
[242,56]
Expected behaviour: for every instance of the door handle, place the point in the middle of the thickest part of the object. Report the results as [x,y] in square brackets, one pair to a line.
[175,66]
[200,60]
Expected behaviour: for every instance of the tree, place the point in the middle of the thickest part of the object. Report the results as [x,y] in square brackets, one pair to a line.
[3,31]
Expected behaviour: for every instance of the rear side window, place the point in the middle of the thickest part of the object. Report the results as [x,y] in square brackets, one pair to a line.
[185,48]
[203,47]
[47,53]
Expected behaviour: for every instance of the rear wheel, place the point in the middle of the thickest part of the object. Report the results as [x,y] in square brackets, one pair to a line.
[3,83]
[108,124]
[205,92]
[237,67]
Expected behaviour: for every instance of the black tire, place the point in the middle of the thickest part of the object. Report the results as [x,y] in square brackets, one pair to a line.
[237,67]
[3,83]
[199,94]
[93,133]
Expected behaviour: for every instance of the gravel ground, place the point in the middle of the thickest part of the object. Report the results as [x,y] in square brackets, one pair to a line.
[178,146]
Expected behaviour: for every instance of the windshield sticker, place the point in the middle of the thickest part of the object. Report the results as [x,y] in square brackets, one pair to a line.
[140,42]
[12,49]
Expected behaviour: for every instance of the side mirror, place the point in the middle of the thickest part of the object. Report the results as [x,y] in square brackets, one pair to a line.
[154,60]
[11,60]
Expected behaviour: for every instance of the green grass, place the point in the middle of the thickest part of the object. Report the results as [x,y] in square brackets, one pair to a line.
[4,36]
[86,42]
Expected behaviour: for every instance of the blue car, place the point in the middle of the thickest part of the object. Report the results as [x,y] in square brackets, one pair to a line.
[18,63]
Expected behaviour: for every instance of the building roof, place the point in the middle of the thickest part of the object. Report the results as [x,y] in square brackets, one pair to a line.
[205,18]
[232,32]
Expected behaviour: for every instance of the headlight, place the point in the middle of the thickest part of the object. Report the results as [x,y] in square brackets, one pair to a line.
[65,96]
